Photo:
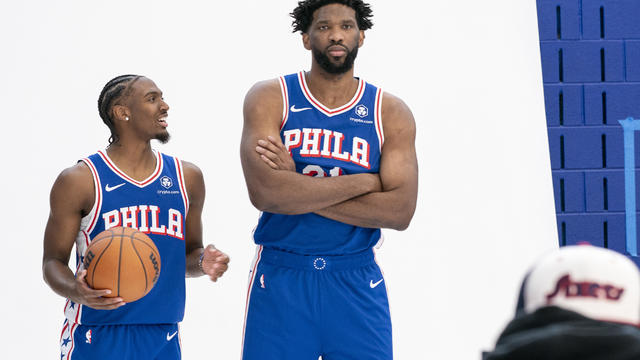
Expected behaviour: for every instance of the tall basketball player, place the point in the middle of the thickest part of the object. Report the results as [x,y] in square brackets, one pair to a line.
[128,184]
[329,159]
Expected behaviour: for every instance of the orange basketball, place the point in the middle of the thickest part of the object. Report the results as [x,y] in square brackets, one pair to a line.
[123,260]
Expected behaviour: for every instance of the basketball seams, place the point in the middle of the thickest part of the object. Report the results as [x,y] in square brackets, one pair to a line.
[144,269]
[120,259]
[156,252]
[97,261]
[150,247]
[99,238]
[125,259]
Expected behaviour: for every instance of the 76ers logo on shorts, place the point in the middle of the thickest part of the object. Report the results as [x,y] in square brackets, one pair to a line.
[166,182]
[362,111]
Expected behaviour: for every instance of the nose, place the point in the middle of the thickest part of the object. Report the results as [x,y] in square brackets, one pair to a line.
[164,106]
[336,36]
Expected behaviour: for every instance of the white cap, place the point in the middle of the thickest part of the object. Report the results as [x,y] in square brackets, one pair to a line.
[595,282]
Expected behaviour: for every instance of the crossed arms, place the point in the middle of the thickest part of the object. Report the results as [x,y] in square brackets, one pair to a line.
[385,200]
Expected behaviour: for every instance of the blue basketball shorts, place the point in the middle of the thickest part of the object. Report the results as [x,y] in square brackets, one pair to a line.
[115,342]
[300,307]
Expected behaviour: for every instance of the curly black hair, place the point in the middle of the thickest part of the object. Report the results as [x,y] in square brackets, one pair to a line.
[115,90]
[303,14]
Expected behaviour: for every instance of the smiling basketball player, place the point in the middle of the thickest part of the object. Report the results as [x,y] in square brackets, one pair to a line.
[131,185]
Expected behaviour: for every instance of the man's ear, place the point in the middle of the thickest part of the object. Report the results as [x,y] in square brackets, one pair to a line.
[305,41]
[120,113]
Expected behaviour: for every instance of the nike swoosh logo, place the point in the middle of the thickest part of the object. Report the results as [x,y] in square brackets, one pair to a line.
[374,284]
[169,337]
[293,109]
[108,189]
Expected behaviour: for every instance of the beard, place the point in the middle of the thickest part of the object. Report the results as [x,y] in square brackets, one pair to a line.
[325,63]
[163,137]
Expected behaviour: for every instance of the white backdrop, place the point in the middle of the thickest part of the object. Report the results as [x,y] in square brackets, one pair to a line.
[469,70]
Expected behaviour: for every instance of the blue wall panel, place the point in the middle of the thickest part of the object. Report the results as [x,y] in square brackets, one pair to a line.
[564,104]
[633,60]
[620,101]
[569,191]
[568,26]
[591,71]
[604,191]
[580,62]
[615,19]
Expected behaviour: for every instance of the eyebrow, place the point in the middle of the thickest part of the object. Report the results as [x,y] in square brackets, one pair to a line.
[153,92]
[344,21]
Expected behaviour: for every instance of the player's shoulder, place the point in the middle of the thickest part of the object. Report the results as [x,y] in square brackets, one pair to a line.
[265,90]
[78,173]
[391,101]
[190,169]
[396,111]
[74,182]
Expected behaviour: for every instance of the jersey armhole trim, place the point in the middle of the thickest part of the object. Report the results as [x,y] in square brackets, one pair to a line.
[285,101]
[378,118]
[183,186]
[97,204]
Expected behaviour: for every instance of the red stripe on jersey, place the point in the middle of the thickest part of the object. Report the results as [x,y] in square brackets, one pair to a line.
[285,99]
[330,112]
[115,169]
[73,342]
[378,118]
[98,194]
[66,325]
[246,307]
[181,181]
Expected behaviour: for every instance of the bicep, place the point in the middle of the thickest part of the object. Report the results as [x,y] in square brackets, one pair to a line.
[398,163]
[262,117]
[71,196]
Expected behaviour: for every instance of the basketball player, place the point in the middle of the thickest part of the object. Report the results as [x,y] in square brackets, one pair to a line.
[128,184]
[315,289]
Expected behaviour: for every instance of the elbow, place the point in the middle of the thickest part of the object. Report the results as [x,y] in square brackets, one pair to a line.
[400,225]
[402,221]
[258,200]
[263,202]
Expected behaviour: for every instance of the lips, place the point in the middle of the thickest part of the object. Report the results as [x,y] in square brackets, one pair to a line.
[163,121]
[337,50]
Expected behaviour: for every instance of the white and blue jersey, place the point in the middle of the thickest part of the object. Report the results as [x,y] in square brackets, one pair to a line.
[157,207]
[325,142]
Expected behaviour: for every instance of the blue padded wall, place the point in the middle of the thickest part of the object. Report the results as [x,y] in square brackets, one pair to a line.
[591,72]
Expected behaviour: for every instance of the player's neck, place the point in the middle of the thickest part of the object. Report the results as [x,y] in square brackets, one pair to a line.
[136,159]
[332,90]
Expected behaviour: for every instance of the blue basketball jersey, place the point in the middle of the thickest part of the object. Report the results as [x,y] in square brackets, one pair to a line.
[325,142]
[157,207]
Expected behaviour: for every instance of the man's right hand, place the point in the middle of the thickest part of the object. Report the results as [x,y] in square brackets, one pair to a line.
[95,299]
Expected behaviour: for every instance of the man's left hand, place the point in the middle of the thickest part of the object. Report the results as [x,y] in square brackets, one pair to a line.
[275,154]
[214,262]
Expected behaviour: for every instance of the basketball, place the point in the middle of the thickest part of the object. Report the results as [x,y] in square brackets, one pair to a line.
[123,260]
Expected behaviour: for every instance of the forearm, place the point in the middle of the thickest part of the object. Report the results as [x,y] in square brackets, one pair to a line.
[291,193]
[388,209]
[193,263]
[59,278]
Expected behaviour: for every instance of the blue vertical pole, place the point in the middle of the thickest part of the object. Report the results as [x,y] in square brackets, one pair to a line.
[629,126]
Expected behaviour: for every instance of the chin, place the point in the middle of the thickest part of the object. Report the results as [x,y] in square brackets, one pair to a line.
[163,137]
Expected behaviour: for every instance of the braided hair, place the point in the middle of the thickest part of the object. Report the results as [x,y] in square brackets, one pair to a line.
[115,90]
[303,14]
